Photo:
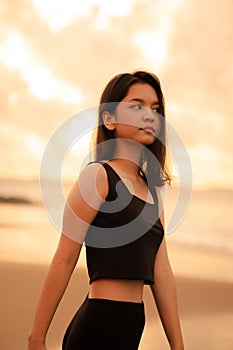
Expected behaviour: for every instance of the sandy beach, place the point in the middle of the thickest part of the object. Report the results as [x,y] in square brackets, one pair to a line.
[206,306]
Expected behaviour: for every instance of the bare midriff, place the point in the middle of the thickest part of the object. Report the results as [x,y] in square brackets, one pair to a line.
[117,289]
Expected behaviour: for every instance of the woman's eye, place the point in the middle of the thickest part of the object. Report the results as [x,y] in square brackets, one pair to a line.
[137,107]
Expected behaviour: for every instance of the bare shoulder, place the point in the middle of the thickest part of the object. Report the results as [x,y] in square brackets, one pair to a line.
[94,178]
[91,187]
[84,201]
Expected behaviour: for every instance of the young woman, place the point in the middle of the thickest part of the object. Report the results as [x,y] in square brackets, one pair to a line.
[115,208]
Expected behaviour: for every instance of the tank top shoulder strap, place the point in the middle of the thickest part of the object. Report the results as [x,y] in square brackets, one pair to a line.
[109,170]
[113,179]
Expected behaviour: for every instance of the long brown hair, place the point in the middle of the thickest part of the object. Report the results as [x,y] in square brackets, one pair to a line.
[114,93]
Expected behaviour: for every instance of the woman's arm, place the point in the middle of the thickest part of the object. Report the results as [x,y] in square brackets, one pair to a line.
[92,180]
[164,292]
[54,287]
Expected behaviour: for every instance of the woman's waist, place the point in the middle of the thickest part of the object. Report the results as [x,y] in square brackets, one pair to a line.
[117,289]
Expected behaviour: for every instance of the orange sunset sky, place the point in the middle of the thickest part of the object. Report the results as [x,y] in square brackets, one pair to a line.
[57,56]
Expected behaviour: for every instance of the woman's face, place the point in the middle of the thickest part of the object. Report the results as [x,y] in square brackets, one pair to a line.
[136,116]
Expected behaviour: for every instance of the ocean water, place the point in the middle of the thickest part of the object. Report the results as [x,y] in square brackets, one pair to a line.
[28,235]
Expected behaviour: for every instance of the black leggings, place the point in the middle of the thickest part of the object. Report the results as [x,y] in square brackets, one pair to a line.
[105,324]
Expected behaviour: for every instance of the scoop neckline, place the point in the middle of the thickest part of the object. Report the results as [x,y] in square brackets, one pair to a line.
[133,195]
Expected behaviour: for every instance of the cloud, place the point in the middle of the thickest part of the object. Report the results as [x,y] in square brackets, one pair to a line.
[59,14]
[79,55]
[40,80]
[200,62]
[214,163]
[198,79]
[20,149]
[195,66]
[19,106]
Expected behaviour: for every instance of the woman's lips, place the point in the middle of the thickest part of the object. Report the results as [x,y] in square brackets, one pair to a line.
[148,129]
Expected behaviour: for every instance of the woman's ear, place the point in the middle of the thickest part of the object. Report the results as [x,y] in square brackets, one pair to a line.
[108,120]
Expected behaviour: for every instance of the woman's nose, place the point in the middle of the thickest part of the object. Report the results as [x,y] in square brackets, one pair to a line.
[148,114]
[152,117]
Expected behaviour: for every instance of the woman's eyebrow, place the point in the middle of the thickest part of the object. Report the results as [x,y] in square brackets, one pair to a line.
[155,103]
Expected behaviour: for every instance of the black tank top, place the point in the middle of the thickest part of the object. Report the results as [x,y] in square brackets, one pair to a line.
[123,239]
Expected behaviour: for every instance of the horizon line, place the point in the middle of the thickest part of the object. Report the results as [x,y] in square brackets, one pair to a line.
[69,181]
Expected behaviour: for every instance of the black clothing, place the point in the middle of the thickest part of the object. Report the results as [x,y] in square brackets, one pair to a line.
[121,243]
[125,235]
[102,324]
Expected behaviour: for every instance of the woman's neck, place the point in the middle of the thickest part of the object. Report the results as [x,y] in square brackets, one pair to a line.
[128,153]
